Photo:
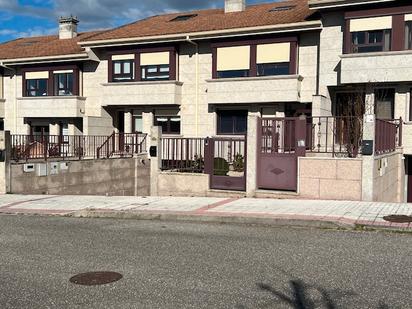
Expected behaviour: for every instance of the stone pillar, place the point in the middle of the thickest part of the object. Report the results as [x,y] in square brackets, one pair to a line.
[155,140]
[54,128]
[321,106]
[5,152]
[368,161]
[251,172]
[148,121]
[369,101]
[128,122]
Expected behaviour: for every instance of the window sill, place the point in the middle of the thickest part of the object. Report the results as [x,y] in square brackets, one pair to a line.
[376,54]
[272,77]
[67,97]
[158,82]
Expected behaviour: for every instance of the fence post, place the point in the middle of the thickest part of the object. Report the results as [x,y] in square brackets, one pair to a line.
[400,132]
[5,174]
[155,154]
[369,123]
[252,153]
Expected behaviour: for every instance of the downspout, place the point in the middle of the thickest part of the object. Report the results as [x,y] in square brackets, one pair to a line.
[196,85]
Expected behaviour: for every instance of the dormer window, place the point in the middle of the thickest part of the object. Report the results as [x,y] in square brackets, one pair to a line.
[184,17]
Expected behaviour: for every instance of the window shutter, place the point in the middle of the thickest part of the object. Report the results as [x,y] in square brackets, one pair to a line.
[123,57]
[273,53]
[161,58]
[372,23]
[233,58]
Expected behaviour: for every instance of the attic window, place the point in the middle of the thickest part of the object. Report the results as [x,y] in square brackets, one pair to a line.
[184,17]
[282,8]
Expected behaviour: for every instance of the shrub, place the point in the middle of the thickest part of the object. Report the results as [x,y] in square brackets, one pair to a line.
[220,167]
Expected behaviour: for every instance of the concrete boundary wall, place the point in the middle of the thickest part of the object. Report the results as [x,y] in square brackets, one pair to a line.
[113,177]
[183,184]
[388,178]
[330,178]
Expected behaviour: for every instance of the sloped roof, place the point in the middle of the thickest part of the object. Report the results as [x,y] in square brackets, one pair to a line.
[211,20]
[43,46]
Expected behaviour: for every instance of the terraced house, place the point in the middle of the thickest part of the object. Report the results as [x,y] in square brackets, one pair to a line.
[309,98]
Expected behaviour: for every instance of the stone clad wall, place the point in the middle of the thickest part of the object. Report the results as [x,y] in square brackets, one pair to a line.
[113,177]
[330,178]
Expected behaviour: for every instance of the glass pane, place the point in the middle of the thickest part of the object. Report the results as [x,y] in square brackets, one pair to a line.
[175,125]
[226,125]
[384,107]
[42,87]
[164,68]
[358,38]
[152,70]
[269,69]
[138,124]
[241,124]
[126,68]
[31,84]
[61,78]
[375,36]
[233,74]
[117,68]
[69,84]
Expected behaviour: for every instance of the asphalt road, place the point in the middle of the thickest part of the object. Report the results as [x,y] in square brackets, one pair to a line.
[182,265]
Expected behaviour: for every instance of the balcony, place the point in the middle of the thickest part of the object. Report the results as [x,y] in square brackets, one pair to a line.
[267,89]
[382,67]
[45,107]
[142,93]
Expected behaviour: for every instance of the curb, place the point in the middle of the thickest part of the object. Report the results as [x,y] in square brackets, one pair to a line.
[222,219]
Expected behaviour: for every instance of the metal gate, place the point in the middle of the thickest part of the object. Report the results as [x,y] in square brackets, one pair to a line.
[280,142]
[225,162]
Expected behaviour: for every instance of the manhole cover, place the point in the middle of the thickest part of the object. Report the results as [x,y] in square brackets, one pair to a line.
[398,219]
[96,278]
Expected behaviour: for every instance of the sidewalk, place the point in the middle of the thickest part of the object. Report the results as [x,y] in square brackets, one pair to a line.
[259,211]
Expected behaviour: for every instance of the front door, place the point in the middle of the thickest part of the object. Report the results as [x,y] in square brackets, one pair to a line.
[225,162]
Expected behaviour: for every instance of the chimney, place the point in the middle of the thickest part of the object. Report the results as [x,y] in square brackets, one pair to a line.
[235,6]
[68,27]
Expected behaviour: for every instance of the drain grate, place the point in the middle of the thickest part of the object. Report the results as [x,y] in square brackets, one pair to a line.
[398,219]
[96,278]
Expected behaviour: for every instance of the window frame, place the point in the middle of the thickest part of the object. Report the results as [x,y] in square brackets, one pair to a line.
[51,79]
[253,71]
[158,67]
[168,131]
[122,76]
[355,47]
[233,114]
[28,89]
[66,88]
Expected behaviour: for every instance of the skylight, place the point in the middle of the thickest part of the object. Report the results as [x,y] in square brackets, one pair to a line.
[282,8]
[184,17]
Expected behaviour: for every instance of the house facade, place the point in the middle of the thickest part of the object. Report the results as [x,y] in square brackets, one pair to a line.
[205,73]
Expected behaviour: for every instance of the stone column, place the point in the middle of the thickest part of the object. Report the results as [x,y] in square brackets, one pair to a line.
[155,140]
[251,172]
[368,161]
[128,122]
[148,121]
[5,152]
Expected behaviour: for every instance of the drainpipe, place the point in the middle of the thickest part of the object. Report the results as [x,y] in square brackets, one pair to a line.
[196,85]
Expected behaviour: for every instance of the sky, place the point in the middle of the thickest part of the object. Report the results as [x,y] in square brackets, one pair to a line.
[22,18]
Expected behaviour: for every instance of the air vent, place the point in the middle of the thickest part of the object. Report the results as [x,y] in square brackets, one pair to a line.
[184,17]
[282,8]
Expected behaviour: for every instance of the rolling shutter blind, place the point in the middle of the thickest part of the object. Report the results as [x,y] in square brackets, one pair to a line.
[372,23]
[37,75]
[408,17]
[161,58]
[273,53]
[233,58]
[123,57]
[62,71]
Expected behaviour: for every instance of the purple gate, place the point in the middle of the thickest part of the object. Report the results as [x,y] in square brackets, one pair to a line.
[225,162]
[280,142]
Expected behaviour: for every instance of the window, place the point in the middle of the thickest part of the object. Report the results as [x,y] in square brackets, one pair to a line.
[184,17]
[385,103]
[137,124]
[36,87]
[64,132]
[273,59]
[408,35]
[63,84]
[123,70]
[155,72]
[233,61]
[169,124]
[232,122]
[371,41]
[268,69]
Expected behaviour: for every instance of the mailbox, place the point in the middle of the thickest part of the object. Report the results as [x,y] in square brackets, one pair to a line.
[153,151]
[367,147]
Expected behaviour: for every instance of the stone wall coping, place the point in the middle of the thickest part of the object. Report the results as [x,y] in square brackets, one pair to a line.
[387,155]
[45,98]
[239,79]
[158,82]
[326,158]
[376,54]
[183,174]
